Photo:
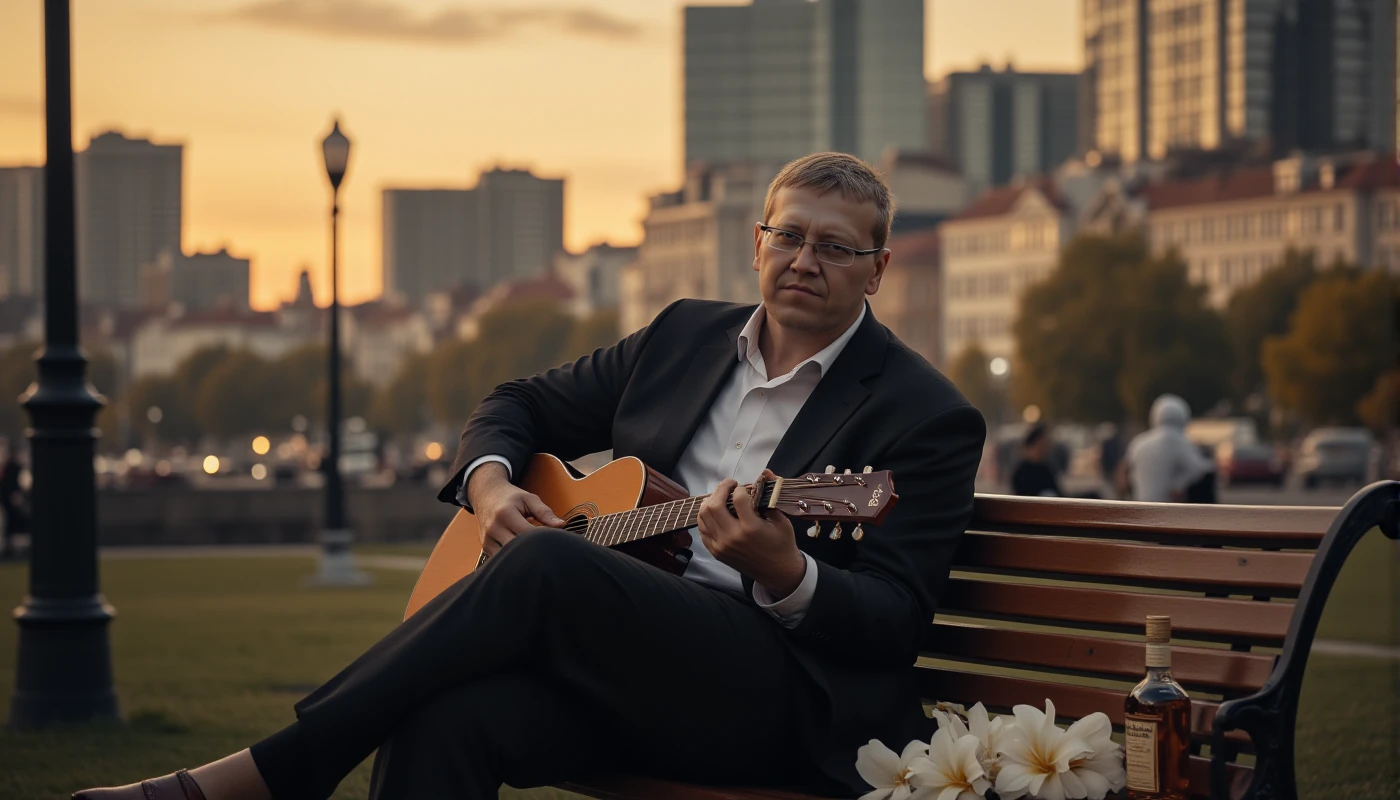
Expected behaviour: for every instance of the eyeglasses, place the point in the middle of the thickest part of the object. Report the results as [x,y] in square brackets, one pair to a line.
[837,255]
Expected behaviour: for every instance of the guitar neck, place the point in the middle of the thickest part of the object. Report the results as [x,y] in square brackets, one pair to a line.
[639,523]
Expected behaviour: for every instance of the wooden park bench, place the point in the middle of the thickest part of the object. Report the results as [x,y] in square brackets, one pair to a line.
[1048,600]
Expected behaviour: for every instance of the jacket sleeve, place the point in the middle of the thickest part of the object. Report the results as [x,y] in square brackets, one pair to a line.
[567,411]
[875,611]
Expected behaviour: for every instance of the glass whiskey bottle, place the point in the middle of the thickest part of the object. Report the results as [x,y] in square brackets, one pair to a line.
[1157,725]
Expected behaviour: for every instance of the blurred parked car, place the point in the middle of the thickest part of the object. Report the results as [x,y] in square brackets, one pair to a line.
[1341,455]
[1249,463]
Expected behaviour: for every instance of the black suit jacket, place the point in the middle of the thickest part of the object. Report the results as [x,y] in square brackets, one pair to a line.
[880,404]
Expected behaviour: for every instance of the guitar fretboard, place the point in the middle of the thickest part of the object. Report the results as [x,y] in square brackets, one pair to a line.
[629,526]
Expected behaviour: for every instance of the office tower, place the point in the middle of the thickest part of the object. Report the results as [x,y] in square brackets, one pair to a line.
[21,231]
[430,241]
[129,212]
[778,79]
[995,126]
[1172,75]
[509,226]
[521,224]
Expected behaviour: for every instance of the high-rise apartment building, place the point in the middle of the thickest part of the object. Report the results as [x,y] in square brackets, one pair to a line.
[129,212]
[430,241]
[21,231]
[1168,75]
[778,79]
[509,226]
[997,125]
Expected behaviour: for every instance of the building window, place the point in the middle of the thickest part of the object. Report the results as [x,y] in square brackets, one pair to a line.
[1387,215]
[1339,217]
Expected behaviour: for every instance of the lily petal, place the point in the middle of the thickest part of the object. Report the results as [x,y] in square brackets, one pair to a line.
[878,765]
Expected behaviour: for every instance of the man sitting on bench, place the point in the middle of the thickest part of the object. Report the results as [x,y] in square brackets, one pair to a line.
[774,657]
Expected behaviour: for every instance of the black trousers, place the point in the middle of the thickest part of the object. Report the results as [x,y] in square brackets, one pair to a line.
[559,659]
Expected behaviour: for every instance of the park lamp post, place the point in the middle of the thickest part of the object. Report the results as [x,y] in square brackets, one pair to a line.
[63,663]
[1000,368]
[337,566]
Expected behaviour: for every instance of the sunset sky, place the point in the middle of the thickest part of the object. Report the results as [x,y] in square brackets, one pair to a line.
[430,92]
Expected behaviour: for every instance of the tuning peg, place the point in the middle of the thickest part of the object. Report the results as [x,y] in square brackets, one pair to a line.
[836,531]
[814,531]
[868,469]
[847,472]
[858,533]
[830,469]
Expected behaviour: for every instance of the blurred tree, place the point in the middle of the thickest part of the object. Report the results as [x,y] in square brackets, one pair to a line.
[355,397]
[102,374]
[1172,341]
[601,329]
[451,391]
[1262,310]
[1112,328]
[301,374]
[190,373]
[177,423]
[232,397]
[1380,407]
[1336,347]
[970,373]
[401,407]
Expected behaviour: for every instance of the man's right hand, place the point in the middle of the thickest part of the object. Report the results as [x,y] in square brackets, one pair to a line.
[504,510]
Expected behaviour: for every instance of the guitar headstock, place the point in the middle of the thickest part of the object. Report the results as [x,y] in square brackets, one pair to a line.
[866,497]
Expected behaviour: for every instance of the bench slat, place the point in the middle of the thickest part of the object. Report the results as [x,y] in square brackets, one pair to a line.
[631,787]
[1001,693]
[1204,618]
[1227,571]
[1276,526]
[1223,671]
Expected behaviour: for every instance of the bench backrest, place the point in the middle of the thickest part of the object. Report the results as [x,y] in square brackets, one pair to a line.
[1048,598]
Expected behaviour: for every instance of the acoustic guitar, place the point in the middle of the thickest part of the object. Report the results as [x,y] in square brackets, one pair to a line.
[631,507]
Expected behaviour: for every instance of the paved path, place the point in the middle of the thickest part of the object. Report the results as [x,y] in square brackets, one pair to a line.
[407,563]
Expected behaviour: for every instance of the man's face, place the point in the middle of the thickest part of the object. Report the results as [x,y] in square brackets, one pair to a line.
[802,292]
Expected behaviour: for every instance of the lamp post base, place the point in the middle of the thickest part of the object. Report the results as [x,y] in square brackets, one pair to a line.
[64,673]
[337,564]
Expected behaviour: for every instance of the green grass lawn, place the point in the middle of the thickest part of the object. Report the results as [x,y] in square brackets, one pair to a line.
[210,655]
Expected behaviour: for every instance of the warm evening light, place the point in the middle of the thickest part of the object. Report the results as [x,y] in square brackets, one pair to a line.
[259,471]
[433,451]
[211,464]
[261,445]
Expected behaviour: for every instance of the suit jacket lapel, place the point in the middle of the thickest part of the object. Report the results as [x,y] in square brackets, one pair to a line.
[709,369]
[838,394]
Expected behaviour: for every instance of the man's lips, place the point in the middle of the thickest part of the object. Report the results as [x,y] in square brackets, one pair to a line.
[795,287]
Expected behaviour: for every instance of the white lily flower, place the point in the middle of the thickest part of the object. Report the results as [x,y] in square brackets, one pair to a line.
[1035,760]
[951,770]
[888,773]
[1101,771]
[991,735]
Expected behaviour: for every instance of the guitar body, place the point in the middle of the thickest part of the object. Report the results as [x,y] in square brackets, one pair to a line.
[618,486]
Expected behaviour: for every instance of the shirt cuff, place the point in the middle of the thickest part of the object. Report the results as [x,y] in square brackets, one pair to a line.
[467,474]
[791,609]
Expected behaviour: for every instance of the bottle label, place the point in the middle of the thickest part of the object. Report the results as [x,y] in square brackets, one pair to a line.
[1140,752]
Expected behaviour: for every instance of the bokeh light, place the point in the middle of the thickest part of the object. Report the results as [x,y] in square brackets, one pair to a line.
[211,464]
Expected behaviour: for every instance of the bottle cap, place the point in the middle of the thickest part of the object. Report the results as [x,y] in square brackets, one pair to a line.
[1159,629]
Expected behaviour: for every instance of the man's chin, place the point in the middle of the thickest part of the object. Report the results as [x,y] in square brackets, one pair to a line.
[794,317]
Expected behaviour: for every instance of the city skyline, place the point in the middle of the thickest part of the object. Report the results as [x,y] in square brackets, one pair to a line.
[250,87]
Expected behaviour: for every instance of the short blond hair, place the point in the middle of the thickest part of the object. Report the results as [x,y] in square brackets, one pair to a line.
[853,178]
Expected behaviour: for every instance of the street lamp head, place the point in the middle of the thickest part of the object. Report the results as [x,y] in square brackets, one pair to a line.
[999,366]
[335,148]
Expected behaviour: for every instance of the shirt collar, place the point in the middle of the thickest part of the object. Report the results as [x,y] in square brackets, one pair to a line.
[824,358]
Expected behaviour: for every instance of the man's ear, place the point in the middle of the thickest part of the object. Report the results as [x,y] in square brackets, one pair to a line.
[882,260]
[757,243]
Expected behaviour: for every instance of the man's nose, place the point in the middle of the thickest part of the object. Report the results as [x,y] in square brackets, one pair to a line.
[806,259]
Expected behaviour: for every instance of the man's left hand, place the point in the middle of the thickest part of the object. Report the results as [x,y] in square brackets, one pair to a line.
[762,548]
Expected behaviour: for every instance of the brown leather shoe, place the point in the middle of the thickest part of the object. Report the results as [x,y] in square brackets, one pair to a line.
[175,786]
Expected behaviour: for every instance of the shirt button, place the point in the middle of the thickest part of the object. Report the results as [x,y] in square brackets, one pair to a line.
[760,394]
[738,445]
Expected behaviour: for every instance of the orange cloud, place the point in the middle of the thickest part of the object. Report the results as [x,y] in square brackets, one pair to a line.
[385,20]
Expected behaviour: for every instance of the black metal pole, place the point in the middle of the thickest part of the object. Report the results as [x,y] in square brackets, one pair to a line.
[64,664]
[335,493]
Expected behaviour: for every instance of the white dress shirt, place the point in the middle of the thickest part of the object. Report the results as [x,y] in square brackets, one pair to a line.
[736,440]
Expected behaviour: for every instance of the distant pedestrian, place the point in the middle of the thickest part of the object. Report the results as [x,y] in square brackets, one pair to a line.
[1035,475]
[1162,464]
[1110,451]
